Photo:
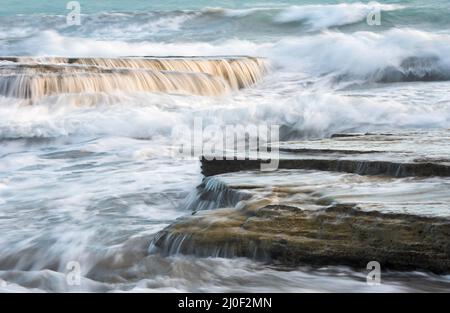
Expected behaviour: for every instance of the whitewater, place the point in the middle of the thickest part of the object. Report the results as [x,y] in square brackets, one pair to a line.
[88,174]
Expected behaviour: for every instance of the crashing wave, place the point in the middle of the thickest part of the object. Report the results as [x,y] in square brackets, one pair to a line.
[324,16]
[414,69]
[317,16]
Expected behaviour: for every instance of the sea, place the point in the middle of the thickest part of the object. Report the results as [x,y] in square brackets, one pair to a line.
[85,186]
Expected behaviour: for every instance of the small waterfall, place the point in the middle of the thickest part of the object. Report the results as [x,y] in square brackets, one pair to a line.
[212,193]
[34,78]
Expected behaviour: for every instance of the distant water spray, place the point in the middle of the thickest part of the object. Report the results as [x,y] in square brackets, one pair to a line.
[34,78]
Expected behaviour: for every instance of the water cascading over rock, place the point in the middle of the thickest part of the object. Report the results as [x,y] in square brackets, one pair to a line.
[34,78]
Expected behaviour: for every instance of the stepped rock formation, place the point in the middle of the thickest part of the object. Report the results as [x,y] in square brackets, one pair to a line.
[310,212]
[34,78]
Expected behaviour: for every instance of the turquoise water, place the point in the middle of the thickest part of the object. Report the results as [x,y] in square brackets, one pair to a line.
[208,21]
[12,7]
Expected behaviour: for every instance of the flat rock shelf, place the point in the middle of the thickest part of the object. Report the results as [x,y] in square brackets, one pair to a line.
[398,155]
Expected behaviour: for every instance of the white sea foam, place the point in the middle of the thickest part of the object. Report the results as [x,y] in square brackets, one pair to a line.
[189,274]
[301,114]
[234,12]
[317,16]
[359,55]
[137,28]
[322,16]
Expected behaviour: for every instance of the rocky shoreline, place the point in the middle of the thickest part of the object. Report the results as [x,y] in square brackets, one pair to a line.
[242,217]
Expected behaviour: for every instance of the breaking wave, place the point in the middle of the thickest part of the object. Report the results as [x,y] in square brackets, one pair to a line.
[325,16]
[213,21]
[153,116]
[333,58]
[392,56]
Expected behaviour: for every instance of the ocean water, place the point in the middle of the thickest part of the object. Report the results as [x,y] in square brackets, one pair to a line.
[93,183]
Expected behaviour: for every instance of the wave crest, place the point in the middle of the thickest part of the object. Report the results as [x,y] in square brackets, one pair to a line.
[324,16]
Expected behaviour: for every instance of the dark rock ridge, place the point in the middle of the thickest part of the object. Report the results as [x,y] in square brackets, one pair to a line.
[357,166]
[397,155]
[326,151]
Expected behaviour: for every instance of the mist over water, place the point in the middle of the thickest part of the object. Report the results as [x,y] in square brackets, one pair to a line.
[90,177]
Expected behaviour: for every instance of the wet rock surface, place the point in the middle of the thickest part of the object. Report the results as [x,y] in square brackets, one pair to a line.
[311,211]
[337,235]
[399,155]
[361,167]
